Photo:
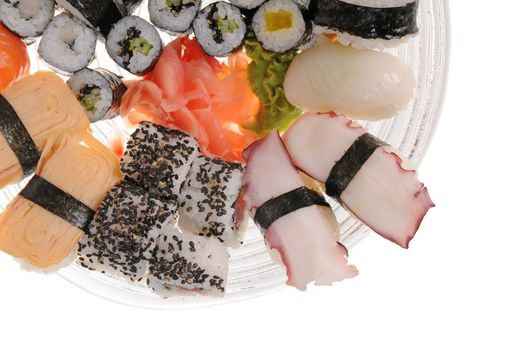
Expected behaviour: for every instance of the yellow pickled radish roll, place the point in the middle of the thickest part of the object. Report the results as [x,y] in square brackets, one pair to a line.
[78,165]
[44,104]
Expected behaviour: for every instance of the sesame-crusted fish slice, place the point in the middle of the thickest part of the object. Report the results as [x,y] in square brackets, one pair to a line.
[119,241]
[158,159]
[183,262]
[208,200]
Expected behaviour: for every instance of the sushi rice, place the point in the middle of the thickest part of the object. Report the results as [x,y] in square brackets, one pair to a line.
[67,44]
[173,15]
[26,18]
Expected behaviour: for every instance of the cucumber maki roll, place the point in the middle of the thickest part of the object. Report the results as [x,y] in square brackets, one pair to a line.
[67,44]
[367,23]
[26,18]
[220,28]
[99,14]
[99,91]
[279,25]
[134,44]
[173,15]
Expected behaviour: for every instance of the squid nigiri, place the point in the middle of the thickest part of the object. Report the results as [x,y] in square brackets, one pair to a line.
[364,84]
[367,176]
[296,220]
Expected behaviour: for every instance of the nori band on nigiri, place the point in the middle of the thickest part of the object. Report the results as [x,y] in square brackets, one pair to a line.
[287,203]
[350,164]
[18,137]
[366,22]
[58,202]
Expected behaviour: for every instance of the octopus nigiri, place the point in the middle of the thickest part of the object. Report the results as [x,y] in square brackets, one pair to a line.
[367,176]
[297,221]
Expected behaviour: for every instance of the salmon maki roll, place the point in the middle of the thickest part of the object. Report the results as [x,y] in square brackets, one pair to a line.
[43,224]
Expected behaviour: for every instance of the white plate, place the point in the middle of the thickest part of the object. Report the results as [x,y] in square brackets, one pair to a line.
[252,273]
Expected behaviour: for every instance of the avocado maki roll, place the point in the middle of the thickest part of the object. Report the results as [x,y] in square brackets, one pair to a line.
[67,44]
[220,28]
[173,15]
[134,44]
[280,26]
[99,92]
[26,18]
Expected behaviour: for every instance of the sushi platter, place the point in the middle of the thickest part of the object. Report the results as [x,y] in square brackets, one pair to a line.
[173,153]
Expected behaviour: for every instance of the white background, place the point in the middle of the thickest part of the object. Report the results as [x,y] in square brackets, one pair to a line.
[462,285]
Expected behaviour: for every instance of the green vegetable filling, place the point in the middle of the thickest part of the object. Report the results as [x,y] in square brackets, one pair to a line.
[89,97]
[227,26]
[266,76]
[140,45]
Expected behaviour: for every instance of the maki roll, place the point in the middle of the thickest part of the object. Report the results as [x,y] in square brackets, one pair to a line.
[32,110]
[99,14]
[220,28]
[158,159]
[99,92]
[367,23]
[127,7]
[134,44]
[173,15]
[67,44]
[27,18]
[247,4]
[120,240]
[44,223]
[279,25]
[183,262]
[208,200]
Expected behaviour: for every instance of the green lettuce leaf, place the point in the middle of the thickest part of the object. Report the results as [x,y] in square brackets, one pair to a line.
[266,76]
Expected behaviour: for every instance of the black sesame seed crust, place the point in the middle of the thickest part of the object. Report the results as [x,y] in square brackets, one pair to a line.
[208,199]
[158,159]
[120,239]
[183,261]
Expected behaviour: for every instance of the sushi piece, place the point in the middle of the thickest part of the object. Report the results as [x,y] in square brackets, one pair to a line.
[67,44]
[15,59]
[364,84]
[173,15]
[127,7]
[220,28]
[367,23]
[43,224]
[158,159]
[297,221]
[208,200]
[99,92]
[183,262]
[279,25]
[247,4]
[120,241]
[98,14]
[26,18]
[367,176]
[33,109]
[134,44]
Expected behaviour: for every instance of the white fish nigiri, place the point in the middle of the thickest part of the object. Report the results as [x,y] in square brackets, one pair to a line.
[384,193]
[304,239]
[364,84]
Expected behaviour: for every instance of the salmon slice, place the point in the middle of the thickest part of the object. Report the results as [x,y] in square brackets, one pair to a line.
[79,165]
[14,60]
